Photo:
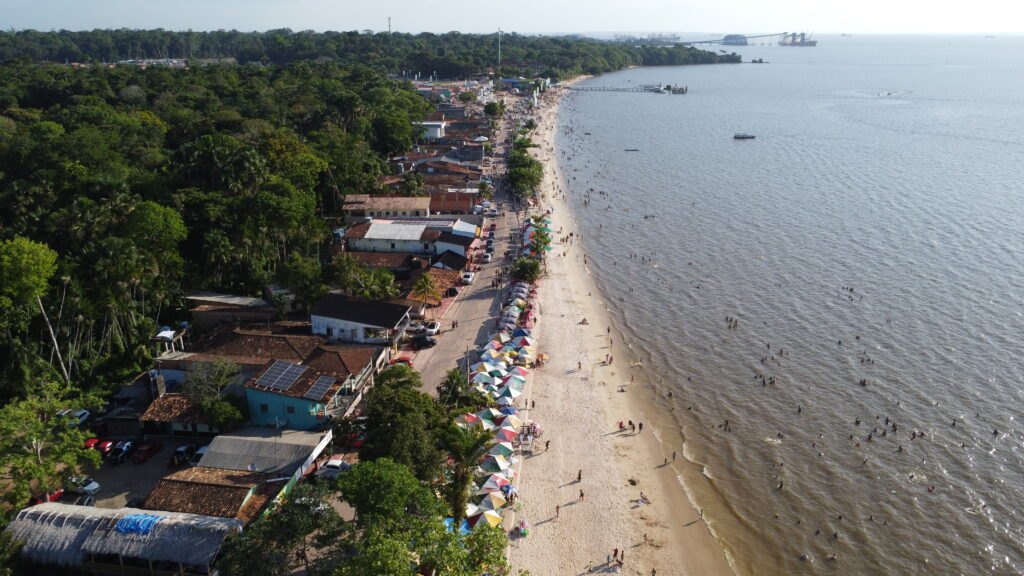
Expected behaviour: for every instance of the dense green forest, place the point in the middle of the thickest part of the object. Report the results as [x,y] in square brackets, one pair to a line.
[451,55]
[139,179]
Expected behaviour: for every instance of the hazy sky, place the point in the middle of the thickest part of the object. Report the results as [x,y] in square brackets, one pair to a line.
[526,16]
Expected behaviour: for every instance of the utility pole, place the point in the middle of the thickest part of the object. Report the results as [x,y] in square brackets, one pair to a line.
[389,25]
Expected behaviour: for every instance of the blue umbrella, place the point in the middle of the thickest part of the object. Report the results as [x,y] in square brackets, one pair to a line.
[520,332]
[509,410]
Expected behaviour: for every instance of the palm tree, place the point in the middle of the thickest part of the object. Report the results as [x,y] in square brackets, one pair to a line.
[465,448]
[425,289]
[455,393]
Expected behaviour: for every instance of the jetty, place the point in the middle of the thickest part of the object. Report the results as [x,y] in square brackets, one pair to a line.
[651,88]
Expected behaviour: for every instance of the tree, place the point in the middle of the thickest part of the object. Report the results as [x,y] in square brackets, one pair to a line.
[385,492]
[526,269]
[465,448]
[455,393]
[302,275]
[467,96]
[38,449]
[210,382]
[425,289]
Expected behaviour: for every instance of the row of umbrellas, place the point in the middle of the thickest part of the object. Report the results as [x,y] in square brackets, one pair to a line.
[499,373]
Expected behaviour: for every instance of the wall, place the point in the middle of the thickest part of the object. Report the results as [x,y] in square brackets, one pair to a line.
[277,410]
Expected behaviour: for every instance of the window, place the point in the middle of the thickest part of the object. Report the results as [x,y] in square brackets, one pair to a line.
[290,409]
[264,409]
[392,245]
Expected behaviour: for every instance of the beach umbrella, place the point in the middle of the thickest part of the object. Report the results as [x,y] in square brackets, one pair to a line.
[494,482]
[510,391]
[506,434]
[519,371]
[481,378]
[545,221]
[489,414]
[512,421]
[492,501]
[494,464]
[500,337]
[521,341]
[488,355]
[487,517]
[493,345]
[482,367]
[464,528]
[466,420]
[499,372]
[505,401]
[527,350]
[502,449]
[509,410]
[520,332]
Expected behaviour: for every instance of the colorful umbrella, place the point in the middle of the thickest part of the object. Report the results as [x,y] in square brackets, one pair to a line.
[506,434]
[489,414]
[492,501]
[489,517]
[512,421]
[521,341]
[493,483]
[509,410]
[495,464]
[520,332]
[493,345]
[502,449]
[519,371]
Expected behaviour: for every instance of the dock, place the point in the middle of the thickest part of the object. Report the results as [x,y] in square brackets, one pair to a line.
[651,88]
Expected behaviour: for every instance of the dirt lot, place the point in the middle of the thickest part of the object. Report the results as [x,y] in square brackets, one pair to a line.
[121,483]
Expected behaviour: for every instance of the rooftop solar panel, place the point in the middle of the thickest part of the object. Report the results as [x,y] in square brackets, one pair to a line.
[319,388]
[281,375]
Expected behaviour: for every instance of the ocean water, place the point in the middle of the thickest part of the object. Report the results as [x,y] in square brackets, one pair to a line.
[869,245]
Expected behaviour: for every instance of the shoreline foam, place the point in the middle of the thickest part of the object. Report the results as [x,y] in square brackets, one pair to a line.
[580,411]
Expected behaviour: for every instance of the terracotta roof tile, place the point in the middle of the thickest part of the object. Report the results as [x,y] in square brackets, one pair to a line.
[182,408]
[214,492]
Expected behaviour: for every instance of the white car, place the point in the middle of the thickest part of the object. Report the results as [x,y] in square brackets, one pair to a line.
[467,277]
[83,485]
[488,257]
[333,468]
[78,416]
[433,328]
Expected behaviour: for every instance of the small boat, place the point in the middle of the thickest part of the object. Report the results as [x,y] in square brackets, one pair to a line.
[632,149]
[743,136]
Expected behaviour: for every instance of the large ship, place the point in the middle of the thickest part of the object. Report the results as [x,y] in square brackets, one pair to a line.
[795,39]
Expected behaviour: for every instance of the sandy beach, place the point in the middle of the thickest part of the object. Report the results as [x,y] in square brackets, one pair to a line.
[580,400]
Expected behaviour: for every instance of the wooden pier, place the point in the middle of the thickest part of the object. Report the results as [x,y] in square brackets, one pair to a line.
[651,88]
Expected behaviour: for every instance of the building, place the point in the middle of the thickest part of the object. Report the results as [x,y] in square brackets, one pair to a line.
[432,130]
[305,397]
[457,243]
[453,200]
[241,495]
[67,539]
[287,454]
[211,309]
[177,415]
[449,260]
[391,237]
[347,319]
[358,207]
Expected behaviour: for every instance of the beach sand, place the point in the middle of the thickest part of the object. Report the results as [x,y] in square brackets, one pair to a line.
[579,410]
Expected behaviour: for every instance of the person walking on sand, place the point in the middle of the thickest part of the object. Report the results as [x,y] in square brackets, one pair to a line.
[581,495]
[558,509]
[546,444]
[579,476]
[641,426]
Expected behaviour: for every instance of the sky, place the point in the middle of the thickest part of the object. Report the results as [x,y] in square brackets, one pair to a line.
[527,16]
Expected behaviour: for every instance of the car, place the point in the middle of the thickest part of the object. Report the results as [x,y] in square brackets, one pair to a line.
[489,249]
[433,328]
[75,417]
[51,497]
[333,468]
[415,328]
[181,455]
[467,277]
[91,443]
[147,451]
[194,460]
[489,242]
[487,257]
[105,446]
[490,234]
[406,360]
[83,485]
[494,226]
[122,450]
[494,212]
[422,341]
[354,440]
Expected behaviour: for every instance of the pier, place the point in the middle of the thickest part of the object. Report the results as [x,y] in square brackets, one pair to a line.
[652,88]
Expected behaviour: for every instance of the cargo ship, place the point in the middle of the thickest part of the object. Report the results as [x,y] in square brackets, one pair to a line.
[795,39]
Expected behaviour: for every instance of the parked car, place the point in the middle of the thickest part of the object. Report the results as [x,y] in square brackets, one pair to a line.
[491,233]
[333,468]
[433,328]
[83,485]
[51,497]
[494,226]
[122,450]
[422,341]
[407,360]
[181,455]
[467,277]
[147,451]
[415,328]
[91,443]
[487,257]
[76,416]
[194,460]
[494,211]
[489,249]
[105,446]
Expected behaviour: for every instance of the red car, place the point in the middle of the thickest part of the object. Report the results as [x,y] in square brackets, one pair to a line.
[40,498]
[407,360]
[147,451]
[494,226]
[105,446]
[91,443]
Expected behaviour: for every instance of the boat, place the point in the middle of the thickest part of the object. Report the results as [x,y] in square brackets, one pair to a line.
[743,136]
[632,149]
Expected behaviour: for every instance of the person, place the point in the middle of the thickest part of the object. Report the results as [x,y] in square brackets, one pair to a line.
[546,444]
[558,509]
[579,476]
[581,495]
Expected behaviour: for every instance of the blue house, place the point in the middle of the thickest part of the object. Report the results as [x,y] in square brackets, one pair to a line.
[305,397]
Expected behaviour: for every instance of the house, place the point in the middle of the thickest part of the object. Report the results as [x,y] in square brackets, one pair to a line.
[432,130]
[449,260]
[448,169]
[391,237]
[237,494]
[304,397]
[346,319]
[177,415]
[358,207]
[444,280]
[287,454]
[397,263]
[67,539]
[452,199]
[457,243]
[211,309]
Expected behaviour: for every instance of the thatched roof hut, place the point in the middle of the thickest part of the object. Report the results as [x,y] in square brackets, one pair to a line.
[66,535]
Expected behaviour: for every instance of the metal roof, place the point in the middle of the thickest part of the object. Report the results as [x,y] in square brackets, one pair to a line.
[261,450]
[389,231]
